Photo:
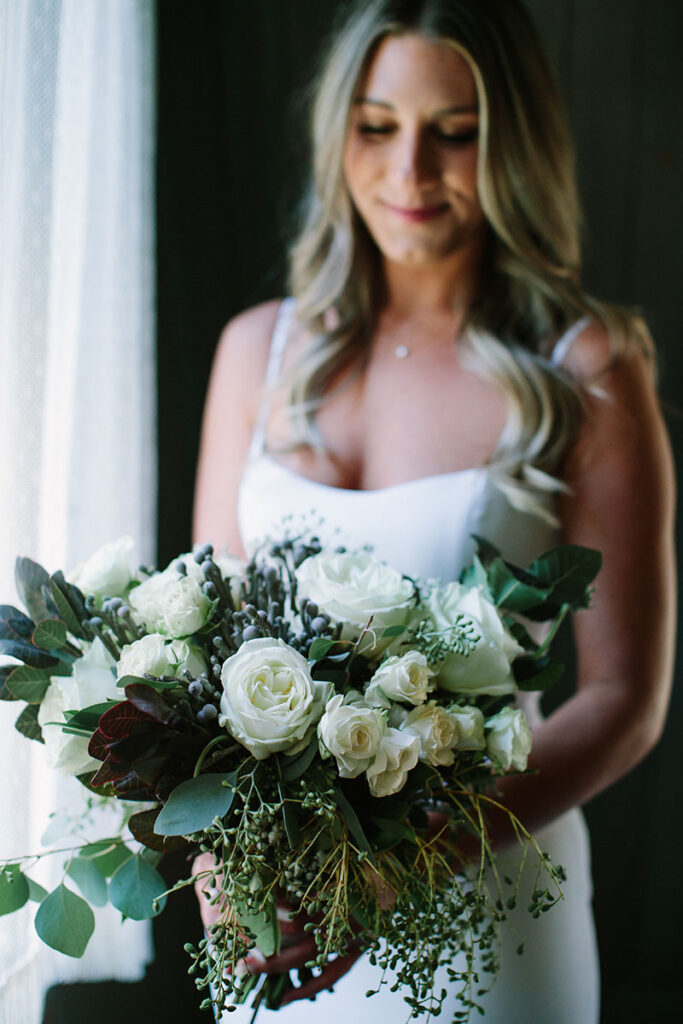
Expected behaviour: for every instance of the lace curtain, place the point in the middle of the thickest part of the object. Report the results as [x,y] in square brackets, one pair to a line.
[77,414]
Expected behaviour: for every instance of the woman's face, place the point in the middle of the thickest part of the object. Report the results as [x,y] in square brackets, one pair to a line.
[410,160]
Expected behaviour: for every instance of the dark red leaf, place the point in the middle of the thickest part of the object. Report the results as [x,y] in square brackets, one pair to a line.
[98,747]
[119,721]
[141,826]
[152,703]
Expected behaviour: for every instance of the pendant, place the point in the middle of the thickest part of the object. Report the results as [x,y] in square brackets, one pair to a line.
[401,351]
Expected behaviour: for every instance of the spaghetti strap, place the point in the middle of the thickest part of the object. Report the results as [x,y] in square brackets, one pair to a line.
[564,343]
[278,342]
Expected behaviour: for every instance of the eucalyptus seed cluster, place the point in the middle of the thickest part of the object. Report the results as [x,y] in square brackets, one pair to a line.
[112,623]
[459,638]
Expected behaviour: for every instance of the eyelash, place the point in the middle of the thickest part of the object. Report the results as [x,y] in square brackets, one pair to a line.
[460,139]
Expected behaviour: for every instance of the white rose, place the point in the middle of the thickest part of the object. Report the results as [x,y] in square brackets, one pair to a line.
[404,678]
[508,740]
[92,681]
[470,721]
[487,668]
[107,573]
[352,733]
[270,702]
[397,755]
[437,731]
[352,588]
[171,604]
[156,655]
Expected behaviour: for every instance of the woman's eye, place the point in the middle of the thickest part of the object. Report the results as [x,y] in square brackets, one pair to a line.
[374,129]
[457,138]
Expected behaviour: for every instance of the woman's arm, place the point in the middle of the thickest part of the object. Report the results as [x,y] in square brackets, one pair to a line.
[232,403]
[621,502]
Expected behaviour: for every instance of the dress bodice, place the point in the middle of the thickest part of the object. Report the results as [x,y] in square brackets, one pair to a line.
[421,527]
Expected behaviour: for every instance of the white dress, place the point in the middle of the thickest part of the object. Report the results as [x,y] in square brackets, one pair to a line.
[424,527]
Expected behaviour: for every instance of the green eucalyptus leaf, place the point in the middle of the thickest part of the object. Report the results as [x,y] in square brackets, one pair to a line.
[156,684]
[65,922]
[569,570]
[319,648]
[531,674]
[87,719]
[513,589]
[50,634]
[393,631]
[29,684]
[294,767]
[27,653]
[106,855]
[352,822]
[14,889]
[263,925]
[134,887]
[5,692]
[194,804]
[89,880]
[27,723]
[391,832]
[33,587]
[36,892]
[486,551]
[62,595]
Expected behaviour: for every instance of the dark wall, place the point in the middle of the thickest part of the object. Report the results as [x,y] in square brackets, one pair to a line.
[229,172]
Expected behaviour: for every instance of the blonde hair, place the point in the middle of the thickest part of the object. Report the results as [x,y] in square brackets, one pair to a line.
[527,190]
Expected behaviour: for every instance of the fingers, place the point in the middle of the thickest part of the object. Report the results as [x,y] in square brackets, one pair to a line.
[293,956]
[326,979]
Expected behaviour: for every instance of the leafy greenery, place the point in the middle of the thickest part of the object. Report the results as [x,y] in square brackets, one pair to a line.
[14,889]
[194,804]
[65,922]
[136,889]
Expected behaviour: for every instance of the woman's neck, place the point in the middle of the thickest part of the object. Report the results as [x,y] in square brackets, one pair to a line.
[436,288]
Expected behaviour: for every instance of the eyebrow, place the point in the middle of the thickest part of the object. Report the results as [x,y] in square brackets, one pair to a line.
[368,100]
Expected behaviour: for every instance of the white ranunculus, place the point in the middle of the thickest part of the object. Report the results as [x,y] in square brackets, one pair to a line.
[171,604]
[487,668]
[405,678]
[107,573]
[92,682]
[508,739]
[398,753]
[470,728]
[352,733]
[352,589]
[437,731]
[270,702]
[156,655]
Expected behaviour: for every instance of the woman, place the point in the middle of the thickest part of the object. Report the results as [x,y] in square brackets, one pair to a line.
[438,372]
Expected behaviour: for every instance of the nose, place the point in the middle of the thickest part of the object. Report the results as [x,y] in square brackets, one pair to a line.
[415,161]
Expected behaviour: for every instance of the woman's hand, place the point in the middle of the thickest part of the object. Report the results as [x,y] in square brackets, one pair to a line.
[298,946]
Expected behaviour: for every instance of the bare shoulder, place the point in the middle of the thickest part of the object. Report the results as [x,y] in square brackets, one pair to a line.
[623,439]
[245,341]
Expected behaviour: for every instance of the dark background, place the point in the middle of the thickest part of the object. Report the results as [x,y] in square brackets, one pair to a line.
[232,81]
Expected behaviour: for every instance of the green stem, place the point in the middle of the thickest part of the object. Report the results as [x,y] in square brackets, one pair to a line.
[205,752]
[562,614]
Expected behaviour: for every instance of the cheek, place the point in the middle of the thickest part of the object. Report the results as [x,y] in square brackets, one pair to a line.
[362,166]
[461,172]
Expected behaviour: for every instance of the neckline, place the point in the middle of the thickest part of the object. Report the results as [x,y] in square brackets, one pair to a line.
[389,489]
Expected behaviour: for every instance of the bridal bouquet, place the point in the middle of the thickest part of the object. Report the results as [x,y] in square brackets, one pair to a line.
[329,730]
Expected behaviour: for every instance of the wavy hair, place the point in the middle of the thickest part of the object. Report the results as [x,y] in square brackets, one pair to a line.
[526,182]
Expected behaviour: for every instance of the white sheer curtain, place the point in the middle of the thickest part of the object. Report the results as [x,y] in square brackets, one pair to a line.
[77,410]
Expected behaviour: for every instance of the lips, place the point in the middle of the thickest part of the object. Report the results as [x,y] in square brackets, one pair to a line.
[418,214]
